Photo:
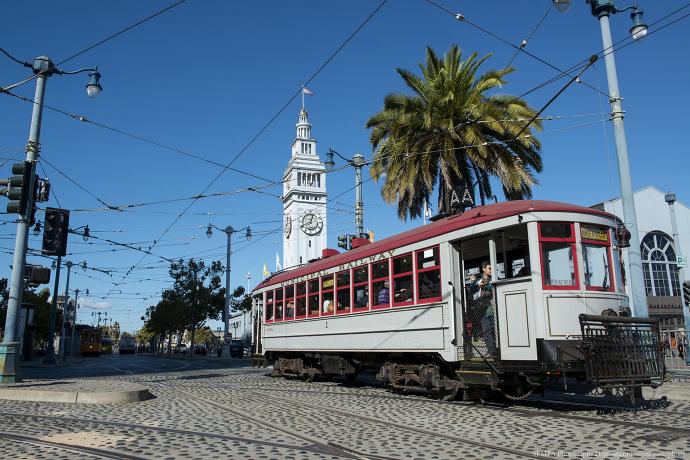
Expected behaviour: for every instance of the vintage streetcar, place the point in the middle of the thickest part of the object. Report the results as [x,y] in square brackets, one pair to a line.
[506,297]
[91,340]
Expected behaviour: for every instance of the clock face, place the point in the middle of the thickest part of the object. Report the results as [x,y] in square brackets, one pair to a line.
[287,229]
[311,223]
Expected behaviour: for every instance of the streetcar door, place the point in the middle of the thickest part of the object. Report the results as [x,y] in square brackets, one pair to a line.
[480,335]
[513,294]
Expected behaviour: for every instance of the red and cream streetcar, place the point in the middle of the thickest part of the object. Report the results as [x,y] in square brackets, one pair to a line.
[508,296]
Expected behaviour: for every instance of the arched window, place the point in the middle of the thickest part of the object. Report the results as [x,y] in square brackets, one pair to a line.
[659,265]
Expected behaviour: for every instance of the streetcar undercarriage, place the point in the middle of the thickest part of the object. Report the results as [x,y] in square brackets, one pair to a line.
[612,352]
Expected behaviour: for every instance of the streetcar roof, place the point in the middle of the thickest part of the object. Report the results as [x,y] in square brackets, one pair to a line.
[474,216]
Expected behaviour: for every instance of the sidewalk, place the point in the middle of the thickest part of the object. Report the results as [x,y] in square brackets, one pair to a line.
[76,391]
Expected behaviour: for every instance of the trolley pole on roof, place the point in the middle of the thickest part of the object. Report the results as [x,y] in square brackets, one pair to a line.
[603,9]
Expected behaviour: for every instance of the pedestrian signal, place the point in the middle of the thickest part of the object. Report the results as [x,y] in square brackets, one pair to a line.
[55,232]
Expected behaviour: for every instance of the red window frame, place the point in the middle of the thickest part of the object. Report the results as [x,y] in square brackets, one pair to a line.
[339,288]
[418,270]
[275,305]
[299,297]
[607,244]
[316,280]
[395,276]
[374,296]
[357,284]
[572,241]
[326,291]
[269,304]
[289,299]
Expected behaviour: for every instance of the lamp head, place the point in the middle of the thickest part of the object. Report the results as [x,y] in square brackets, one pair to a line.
[93,87]
[561,5]
[37,229]
[83,266]
[86,234]
[248,235]
[639,28]
[209,231]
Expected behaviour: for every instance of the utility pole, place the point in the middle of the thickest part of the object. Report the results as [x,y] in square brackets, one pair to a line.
[358,162]
[670,198]
[228,268]
[74,321]
[43,68]
[50,352]
[65,310]
[603,9]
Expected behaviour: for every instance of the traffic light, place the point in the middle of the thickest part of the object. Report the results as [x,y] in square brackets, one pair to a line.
[686,293]
[19,187]
[55,230]
[345,241]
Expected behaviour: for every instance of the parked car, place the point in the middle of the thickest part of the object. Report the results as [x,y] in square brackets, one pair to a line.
[236,349]
[200,350]
[181,349]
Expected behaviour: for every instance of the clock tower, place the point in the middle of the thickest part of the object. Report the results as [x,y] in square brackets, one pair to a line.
[304,199]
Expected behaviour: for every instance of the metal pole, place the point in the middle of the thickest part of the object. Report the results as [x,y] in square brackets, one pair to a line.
[671,200]
[50,352]
[226,312]
[65,308]
[639,297]
[8,355]
[358,162]
[74,322]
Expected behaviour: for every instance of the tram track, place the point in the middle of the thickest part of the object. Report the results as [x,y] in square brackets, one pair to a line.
[458,439]
[157,429]
[70,447]
[536,412]
[327,447]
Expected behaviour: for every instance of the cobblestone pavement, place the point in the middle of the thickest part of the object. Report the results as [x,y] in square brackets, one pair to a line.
[207,408]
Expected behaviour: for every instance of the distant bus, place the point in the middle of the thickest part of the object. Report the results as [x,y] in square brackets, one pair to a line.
[107,345]
[127,344]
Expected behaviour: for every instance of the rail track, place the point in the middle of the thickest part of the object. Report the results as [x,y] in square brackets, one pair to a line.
[343,450]
[70,447]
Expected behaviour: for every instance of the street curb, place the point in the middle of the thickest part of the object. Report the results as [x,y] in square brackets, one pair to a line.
[77,397]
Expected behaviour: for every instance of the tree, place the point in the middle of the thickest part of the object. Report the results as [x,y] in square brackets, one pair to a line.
[450,132]
[240,301]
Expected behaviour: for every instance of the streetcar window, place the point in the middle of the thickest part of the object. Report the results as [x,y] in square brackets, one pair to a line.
[327,295]
[301,301]
[343,291]
[289,302]
[512,253]
[555,230]
[402,279]
[269,306]
[313,297]
[559,262]
[428,274]
[279,304]
[596,253]
[360,288]
[380,284]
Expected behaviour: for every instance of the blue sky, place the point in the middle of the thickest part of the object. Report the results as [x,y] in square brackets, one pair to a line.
[207,75]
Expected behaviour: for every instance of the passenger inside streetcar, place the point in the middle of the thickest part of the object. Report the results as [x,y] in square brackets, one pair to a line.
[383,295]
[290,309]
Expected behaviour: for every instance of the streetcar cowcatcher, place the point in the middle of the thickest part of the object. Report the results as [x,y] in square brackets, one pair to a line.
[622,351]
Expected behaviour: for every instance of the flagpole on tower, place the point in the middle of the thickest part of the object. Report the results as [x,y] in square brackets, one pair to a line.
[302,97]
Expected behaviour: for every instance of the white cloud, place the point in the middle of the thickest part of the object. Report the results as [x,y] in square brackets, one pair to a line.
[89,303]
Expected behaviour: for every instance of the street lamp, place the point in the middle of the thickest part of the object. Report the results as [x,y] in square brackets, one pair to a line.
[357,162]
[226,312]
[43,68]
[93,87]
[602,9]
[561,5]
[37,229]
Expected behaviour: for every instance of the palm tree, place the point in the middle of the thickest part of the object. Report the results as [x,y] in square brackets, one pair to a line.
[451,131]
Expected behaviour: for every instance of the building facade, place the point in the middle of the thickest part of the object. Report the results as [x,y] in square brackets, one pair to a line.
[662,276]
[304,199]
